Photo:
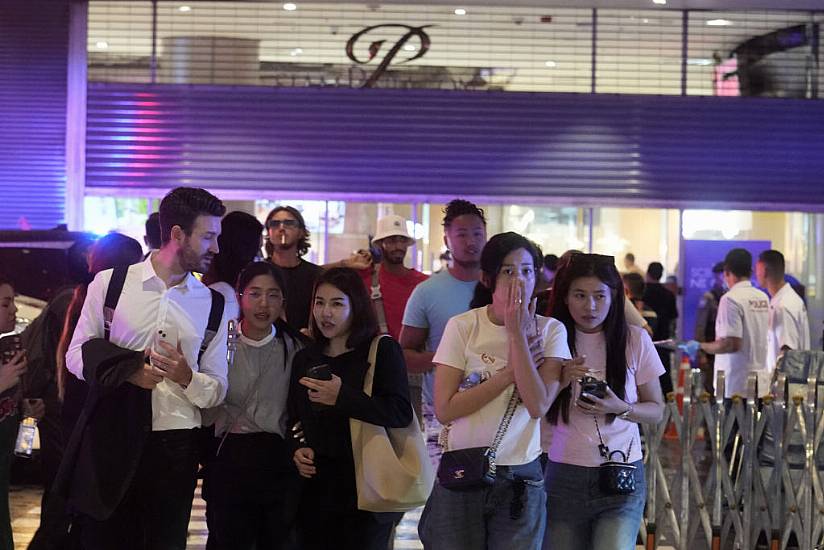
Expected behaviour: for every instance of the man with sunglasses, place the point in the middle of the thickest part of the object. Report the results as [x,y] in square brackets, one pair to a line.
[287,241]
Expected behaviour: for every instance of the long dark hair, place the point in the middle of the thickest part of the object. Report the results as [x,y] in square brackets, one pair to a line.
[615,326]
[492,257]
[364,324]
[239,243]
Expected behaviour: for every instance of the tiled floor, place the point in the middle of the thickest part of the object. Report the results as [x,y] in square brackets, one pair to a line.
[25,512]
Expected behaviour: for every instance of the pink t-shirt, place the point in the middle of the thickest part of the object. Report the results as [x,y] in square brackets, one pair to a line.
[577,442]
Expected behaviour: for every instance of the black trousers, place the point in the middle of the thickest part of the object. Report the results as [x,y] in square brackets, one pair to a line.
[252,491]
[154,513]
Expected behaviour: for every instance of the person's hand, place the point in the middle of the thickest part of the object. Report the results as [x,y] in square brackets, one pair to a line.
[324,392]
[146,377]
[609,404]
[11,372]
[573,369]
[304,459]
[171,363]
[691,348]
[520,310]
[361,259]
[34,408]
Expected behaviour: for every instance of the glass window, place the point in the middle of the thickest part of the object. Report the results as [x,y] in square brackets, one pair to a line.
[125,215]
[651,234]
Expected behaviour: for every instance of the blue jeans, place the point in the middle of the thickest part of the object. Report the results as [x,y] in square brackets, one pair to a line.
[508,514]
[580,515]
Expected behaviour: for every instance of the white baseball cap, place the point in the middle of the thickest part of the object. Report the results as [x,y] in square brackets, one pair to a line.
[391,226]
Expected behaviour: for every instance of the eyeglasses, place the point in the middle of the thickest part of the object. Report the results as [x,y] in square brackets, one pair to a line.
[274,224]
[528,272]
[271,296]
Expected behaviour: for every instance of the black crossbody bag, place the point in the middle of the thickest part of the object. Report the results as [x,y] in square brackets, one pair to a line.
[614,477]
[474,468]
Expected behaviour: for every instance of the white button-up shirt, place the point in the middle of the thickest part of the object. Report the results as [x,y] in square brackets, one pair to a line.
[146,307]
[789,324]
[743,312]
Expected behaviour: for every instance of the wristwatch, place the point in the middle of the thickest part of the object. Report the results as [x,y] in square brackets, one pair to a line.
[625,415]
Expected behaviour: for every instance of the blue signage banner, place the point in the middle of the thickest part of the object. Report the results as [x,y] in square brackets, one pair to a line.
[699,257]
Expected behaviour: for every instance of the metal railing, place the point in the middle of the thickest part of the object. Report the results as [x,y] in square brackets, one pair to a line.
[740,473]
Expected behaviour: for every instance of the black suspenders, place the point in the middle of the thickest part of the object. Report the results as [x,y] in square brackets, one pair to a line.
[116,289]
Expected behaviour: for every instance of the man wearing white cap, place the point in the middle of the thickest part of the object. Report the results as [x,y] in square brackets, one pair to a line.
[394,281]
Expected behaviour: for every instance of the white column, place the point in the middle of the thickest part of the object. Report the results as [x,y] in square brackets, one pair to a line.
[76,82]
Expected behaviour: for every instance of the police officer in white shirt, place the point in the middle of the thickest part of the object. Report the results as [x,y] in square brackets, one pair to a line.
[789,326]
[740,344]
[161,295]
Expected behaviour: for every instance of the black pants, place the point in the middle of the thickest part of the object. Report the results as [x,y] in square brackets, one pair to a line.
[154,513]
[252,492]
[352,530]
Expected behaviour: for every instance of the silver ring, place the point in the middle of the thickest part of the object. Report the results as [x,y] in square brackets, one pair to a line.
[520,301]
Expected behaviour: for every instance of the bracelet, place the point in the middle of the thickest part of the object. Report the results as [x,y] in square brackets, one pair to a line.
[625,415]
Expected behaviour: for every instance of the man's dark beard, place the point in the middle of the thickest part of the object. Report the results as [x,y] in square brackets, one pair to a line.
[190,260]
[394,261]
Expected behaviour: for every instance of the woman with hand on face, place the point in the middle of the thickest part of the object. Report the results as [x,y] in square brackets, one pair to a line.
[326,391]
[251,486]
[588,298]
[12,367]
[482,363]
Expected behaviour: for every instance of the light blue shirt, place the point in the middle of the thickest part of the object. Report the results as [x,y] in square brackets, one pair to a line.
[431,305]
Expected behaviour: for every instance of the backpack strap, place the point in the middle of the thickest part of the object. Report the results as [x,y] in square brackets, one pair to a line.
[112,297]
[377,300]
[213,325]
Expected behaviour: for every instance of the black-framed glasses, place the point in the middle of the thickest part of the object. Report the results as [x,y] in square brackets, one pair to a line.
[290,224]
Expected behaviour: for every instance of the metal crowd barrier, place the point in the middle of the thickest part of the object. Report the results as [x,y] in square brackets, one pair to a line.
[745,473]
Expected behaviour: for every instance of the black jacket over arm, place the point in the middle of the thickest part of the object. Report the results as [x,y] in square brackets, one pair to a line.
[105,447]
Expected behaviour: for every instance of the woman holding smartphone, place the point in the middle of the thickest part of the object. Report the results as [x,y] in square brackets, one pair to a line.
[326,391]
[251,487]
[483,365]
[621,391]
[12,367]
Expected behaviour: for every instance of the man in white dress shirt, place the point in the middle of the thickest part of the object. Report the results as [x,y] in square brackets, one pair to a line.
[740,344]
[789,326]
[162,312]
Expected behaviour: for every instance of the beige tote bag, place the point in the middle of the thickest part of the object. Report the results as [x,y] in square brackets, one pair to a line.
[392,468]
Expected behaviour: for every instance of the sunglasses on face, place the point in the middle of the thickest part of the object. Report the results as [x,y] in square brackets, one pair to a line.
[289,224]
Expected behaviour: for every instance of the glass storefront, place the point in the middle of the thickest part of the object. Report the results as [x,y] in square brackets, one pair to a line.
[339,228]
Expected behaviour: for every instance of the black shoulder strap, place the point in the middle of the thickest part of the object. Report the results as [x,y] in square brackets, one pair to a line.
[112,297]
[213,325]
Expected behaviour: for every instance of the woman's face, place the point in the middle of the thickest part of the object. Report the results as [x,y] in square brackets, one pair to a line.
[516,269]
[8,309]
[261,302]
[332,311]
[589,301]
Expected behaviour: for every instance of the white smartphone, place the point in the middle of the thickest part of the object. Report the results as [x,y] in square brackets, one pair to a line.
[167,334]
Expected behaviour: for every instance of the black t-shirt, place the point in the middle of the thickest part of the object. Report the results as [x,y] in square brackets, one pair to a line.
[300,280]
[662,302]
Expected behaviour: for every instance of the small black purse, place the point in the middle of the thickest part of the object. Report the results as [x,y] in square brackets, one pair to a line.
[474,468]
[615,478]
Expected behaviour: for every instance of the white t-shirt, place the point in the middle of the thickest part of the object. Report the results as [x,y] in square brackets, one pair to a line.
[577,442]
[789,324]
[743,312]
[473,344]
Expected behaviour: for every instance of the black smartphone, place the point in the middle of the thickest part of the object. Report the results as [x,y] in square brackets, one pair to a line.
[592,386]
[9,347]
[319,372]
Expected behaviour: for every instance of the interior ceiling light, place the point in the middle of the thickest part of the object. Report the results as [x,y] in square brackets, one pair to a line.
[460,11]
[719,23]
[699,61]
[290,6]
[296,52]
[660,2]
[550,63]
[102,45]
[184,9]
